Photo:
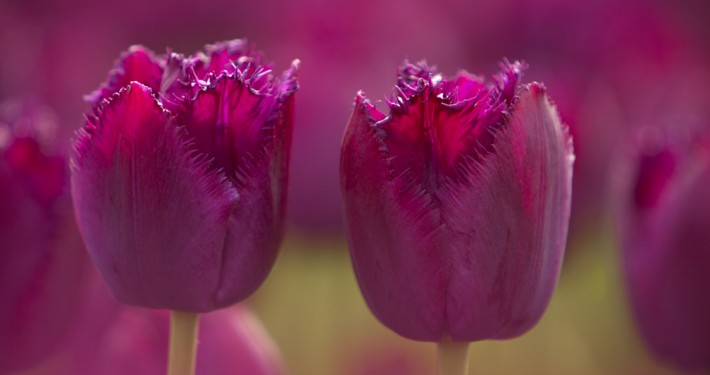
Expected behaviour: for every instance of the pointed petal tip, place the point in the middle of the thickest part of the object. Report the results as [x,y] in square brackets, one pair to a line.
[137,63]
[537,88]
[538,92]
[289,80]
[363,104]
[517,66]
[135,92]
[360,98]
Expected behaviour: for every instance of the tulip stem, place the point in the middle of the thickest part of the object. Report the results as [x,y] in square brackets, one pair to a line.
[453,357]
[183,342]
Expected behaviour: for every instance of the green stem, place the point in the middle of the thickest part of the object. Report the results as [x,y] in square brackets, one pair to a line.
[453,357]
[183,343]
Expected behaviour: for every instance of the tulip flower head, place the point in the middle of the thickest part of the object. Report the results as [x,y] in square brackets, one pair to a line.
[457,204]
[180,176]
[664,218]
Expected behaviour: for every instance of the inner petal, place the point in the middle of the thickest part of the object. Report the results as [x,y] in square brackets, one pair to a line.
[229,123]
[436,124]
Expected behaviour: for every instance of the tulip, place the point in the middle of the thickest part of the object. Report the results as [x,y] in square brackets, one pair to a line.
[180,179]
[457,205]
[232,341]
[184,210]
[664,217]
[42,262]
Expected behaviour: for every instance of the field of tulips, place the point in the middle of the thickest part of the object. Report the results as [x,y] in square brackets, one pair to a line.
[358,188]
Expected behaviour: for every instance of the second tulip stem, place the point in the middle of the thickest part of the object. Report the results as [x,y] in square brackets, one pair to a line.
[453,357]
[183,343]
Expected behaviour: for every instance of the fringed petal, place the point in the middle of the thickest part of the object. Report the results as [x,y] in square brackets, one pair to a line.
[152,212]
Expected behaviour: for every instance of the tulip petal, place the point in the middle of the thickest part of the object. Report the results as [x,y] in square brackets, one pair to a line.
[152,213]
[137,64]
[227,121]
[225,57]
[508,219]
[248,134]
[393,226]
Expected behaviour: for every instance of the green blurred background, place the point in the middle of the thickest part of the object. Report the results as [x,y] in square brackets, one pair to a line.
[312,307]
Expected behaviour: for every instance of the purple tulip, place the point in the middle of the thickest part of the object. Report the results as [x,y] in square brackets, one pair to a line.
[232,341]
[42,261]
[665,216]
[180,179]
[457,204]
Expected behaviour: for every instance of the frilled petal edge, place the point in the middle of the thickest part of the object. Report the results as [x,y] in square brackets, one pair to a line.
[138,64]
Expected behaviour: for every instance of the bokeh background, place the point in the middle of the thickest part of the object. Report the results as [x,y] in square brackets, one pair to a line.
[611,66]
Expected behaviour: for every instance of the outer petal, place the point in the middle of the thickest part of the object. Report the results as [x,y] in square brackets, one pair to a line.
[508,222]
[152,215]
[393,226]
[666,259]
[228,123]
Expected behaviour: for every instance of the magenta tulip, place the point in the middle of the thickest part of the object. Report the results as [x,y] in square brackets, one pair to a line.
[180,178]
[665,221]
[42,261]
[457,204]
[232,341]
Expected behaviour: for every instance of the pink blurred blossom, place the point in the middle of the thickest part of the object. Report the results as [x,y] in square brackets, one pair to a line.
[42,270]
[664,215]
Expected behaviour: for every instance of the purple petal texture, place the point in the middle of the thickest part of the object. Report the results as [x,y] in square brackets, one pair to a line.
[181,200]
[517,205]
[148,209]
[457,204]
[42,261]
[664,227]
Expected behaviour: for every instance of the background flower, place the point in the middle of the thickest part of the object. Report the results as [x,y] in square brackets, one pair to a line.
[663,221]
[42,262]
[136,342]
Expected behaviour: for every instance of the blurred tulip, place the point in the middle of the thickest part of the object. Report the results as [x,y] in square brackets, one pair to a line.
[42,261]
[231,341]
[664,217]
[180,193]
[457,204]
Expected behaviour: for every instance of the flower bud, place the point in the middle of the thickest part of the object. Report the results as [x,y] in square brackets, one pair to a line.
[457,204]
[180,194]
